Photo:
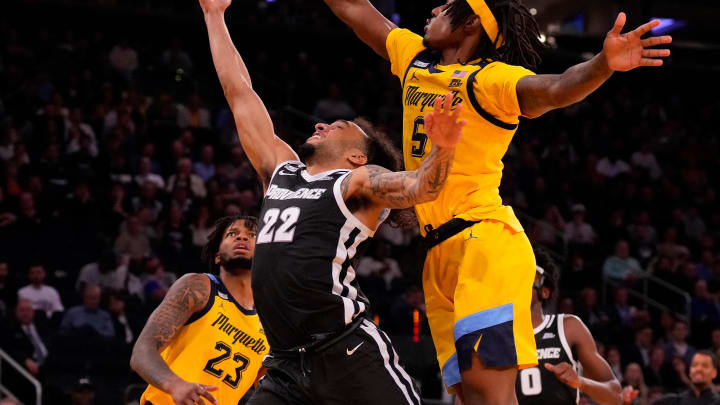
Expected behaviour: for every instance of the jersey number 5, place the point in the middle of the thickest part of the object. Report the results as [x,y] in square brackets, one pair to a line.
[420,137]
[210,366]
[530,381]
[285,232]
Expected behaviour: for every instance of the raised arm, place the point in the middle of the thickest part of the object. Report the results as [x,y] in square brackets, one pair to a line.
[387,189]
[369,25]
[187,296]
[598,380]
[254,126]
[621,52]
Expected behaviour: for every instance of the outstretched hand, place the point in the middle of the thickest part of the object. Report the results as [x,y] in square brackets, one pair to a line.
[211,6]
[627,51]
[442,125]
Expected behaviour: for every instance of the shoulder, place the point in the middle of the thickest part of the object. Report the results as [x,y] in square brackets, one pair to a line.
[575,330]
[402,36]
[191,291]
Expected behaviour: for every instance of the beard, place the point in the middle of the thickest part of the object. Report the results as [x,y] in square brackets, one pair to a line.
[306,152]
[233,264]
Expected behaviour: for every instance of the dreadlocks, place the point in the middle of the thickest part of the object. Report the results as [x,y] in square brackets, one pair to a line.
[520,32]
[381,152]
[215,238]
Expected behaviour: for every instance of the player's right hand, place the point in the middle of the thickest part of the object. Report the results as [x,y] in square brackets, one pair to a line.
[214,6]
[187,393]
[442,125]
[629,394]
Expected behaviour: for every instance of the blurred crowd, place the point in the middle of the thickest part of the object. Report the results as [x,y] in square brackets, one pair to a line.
[117,153]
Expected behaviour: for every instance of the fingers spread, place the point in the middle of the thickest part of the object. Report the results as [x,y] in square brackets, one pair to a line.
[655,53]
[448,102]
[645,28]
[209,387]
[456,113]
[651,62]
[438,105]
[619,24]
[653,41]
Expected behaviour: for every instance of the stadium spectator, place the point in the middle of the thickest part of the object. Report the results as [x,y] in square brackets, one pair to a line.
[123,59]
[579,232]
[145,174]
[88,318]
[184,177]
[703,370]
[83,392]
[640,351]
[132,241]
[25,339]
[125,324]
[205,167]
[195,115]
[43,297]
[107,273]
[634,378]
[678,345]
[620,266]
[380,265]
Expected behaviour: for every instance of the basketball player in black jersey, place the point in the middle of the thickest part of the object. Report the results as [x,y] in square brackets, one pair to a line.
[563,341]
[316,214]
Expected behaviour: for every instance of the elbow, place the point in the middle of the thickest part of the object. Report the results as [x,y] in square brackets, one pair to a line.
[135,359]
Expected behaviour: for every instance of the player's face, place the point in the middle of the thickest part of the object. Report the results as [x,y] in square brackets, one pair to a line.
[238,242]
[333,140]
[439,33]
[702,370]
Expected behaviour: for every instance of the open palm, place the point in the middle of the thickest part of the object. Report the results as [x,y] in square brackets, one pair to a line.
[627,51]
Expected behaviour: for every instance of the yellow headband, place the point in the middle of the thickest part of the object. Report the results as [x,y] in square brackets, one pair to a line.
[487,19]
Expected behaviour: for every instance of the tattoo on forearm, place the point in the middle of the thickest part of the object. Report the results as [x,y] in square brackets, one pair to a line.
[405,189]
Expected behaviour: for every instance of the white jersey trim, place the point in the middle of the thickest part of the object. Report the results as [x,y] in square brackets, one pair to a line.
[563,339]
[309,177]
[372,330]
[346,212]
[546,321]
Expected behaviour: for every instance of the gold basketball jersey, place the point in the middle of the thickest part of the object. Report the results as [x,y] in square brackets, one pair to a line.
[491,109]
[223,345]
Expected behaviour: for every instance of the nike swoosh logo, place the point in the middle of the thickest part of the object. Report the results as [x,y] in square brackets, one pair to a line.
[282,173]
[351,352]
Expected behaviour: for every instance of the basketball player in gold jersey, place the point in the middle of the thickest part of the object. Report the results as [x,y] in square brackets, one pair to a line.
[479,270]
[204,343]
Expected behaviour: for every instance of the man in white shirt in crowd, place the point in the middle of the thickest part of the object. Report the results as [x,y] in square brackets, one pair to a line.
[145,174]
[579,232]
[42,297]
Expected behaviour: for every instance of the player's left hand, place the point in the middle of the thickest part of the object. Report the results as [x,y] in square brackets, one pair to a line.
[442,125]
[565,373]
[628,51]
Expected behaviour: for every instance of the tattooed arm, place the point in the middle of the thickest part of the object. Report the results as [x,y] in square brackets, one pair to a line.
[389,189]
[187,296]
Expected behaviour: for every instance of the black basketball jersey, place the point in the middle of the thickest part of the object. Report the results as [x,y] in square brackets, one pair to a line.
[303,273]
[538,386]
